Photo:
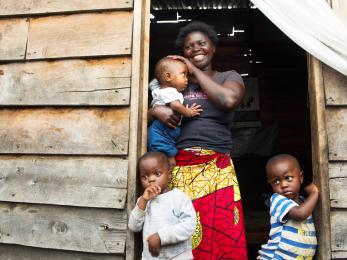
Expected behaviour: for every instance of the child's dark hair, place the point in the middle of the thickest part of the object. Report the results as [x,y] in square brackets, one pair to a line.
[162,66]
[281,157]
[195,26]
[162,157]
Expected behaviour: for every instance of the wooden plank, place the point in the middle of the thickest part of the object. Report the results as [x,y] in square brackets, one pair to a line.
[337,169]
[94,34]
[67,82]
[68,228]
[14,252]
[74,181]
[138,116]
[338,194]
[339,231]
[64,131]
[29,7]
[339,255]
[337,184]
[335,85]
[319,155]
[336,120]
[13,38]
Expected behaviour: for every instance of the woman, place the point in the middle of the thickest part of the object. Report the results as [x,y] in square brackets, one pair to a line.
[204,169]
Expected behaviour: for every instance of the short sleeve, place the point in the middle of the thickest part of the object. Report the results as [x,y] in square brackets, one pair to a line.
[165,96]
[280,206]
[232,75]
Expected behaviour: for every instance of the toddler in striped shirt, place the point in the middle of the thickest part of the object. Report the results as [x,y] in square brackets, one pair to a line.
[292,234]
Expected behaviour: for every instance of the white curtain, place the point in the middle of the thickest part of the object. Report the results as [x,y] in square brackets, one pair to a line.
[312,25]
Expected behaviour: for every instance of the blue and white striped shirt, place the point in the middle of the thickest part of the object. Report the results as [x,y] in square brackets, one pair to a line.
[289,239]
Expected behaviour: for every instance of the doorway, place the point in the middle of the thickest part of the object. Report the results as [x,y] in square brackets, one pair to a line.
[274,117]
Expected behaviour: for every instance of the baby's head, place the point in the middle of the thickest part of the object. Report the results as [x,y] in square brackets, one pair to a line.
[171,73]
[285,176]
[153,168]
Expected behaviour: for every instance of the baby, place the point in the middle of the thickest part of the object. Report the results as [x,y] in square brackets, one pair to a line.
[171,75]
[292,234]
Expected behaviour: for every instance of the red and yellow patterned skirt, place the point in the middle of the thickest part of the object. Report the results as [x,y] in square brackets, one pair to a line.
[209,179]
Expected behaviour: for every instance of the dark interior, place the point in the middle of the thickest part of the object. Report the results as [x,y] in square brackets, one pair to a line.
[253,46]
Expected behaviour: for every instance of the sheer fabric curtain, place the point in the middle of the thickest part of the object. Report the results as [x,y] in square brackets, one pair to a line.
[312,25]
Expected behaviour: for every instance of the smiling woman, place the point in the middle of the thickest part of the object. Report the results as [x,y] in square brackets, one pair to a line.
[204,169]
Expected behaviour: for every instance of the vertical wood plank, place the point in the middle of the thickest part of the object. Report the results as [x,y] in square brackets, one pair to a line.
[319,156]
[138,97]
[13,38]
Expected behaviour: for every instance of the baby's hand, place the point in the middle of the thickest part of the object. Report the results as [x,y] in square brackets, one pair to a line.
[195,110]
[154,244]
[312,188]
[151,192]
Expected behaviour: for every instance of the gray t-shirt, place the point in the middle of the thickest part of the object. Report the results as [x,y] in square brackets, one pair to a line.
[209,129]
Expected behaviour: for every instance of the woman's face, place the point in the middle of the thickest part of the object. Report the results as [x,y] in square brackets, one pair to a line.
[199,49]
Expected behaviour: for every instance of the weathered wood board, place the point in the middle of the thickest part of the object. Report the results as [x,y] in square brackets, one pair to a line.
[75,181]
[339,231]
[98,131]
[93,34]
[338,184]
[66,82]
[13,38]
[30,7]
[68,228]
[336,121]
[14,252]
[335,85]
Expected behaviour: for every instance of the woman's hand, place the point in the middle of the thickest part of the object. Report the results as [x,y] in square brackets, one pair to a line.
[166,115]
[189,65]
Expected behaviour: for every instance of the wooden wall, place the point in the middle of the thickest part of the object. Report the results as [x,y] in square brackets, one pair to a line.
[336,120]
[69,107]
[328,91]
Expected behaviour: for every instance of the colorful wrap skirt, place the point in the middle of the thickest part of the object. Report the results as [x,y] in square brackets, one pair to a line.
[209,179]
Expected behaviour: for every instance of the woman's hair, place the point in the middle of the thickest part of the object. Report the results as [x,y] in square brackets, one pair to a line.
[195,26]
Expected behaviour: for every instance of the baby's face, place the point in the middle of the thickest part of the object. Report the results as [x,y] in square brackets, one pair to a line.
[178,72]
[154,171]
[285,178]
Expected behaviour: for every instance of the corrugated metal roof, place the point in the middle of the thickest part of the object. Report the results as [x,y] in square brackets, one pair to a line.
[164,5]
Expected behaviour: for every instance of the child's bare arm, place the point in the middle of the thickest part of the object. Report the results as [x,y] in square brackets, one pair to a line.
[194,110]
[303,211]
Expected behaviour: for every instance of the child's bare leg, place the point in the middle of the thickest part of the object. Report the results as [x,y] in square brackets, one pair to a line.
[172,162]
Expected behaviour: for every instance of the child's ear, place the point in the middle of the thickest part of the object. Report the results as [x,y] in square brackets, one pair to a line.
[167,76]
[301,177]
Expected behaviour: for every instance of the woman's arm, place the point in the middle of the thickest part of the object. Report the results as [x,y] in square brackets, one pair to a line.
[164,114]
[226,96]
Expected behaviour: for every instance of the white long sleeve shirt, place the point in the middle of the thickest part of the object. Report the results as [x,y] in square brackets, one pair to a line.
[172,215]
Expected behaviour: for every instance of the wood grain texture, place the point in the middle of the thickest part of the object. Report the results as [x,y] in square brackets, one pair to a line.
[337,184]
[336,120]
[29,7]
[75,181]
[15,252]
[335,85]
[13,38]
[64,131]
[339,231]
[67,228]
[320,156]
[66,82]
[94,34]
